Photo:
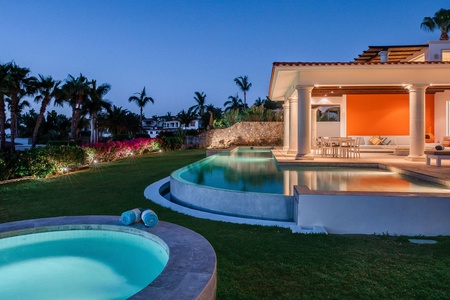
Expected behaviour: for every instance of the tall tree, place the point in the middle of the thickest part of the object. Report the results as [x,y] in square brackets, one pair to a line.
[186,117]
[47,88]
[94,104]
[57,125]
[4,78]
[199,108]
[233,103]
[214,113]
[441,21]
[259,102]
[244,85]
[27,122]
[20,107]
[20,85]
[119,121]
[75,91]
[141,100]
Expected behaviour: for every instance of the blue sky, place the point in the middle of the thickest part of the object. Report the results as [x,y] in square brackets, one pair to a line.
[175,48]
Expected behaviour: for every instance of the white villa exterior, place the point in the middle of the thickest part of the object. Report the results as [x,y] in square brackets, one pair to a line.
[419,71]
[153,128]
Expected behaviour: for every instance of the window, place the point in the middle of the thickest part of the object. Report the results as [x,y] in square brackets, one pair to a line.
[445,55]
[328,114]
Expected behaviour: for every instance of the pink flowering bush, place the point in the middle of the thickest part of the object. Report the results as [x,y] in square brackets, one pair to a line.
[116,150]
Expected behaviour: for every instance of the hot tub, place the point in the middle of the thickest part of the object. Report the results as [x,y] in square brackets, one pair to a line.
[96,257]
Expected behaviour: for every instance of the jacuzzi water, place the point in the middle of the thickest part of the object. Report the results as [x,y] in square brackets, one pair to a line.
[255,170]
[79,264]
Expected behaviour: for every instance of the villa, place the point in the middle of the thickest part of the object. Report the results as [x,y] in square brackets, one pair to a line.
[398,92]
[162,124]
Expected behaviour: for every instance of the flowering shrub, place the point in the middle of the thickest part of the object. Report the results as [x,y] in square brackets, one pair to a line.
[120,149]
[43,161]
[56,159]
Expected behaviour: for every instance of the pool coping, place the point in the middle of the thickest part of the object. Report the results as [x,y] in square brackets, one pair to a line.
[190,272]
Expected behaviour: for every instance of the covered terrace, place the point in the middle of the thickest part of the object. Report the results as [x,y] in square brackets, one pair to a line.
[299,83]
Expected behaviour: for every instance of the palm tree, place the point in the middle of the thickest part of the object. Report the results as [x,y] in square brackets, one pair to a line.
[119,121]
[199,108]
[57,125]
[47,89]
[259,102]
[75,92]
[168,116]
[20,108]
[233,103]
[186,117]
[214,113]
[20,85]
[4,77]
[141,100]
[441,21]
[28,122]
[94,104]
[244,85]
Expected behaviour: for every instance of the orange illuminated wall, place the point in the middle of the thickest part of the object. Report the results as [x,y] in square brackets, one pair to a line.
[384,114]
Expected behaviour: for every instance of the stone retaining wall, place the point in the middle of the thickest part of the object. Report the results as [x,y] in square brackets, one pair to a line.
[244,134]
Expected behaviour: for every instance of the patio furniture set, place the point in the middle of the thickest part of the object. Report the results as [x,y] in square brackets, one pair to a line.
[342,147]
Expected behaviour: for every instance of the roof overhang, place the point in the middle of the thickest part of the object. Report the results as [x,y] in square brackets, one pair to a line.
[356,78]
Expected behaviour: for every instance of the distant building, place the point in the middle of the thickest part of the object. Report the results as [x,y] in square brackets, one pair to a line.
[154,126]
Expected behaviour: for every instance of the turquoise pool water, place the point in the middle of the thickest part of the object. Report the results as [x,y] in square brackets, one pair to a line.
[79,264]
[255,170]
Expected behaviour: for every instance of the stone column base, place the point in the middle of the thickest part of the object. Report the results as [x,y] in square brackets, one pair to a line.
[415,158]
[304,157]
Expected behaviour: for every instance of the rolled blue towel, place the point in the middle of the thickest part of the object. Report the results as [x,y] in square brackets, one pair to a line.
[131,216]
[150,218]
[439,147]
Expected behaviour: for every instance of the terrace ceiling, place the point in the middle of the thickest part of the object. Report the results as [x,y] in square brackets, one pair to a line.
[338,91]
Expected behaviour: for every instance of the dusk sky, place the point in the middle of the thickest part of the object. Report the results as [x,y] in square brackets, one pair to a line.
[175,48]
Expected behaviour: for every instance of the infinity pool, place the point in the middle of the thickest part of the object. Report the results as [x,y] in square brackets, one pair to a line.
[79,264]
[255,170]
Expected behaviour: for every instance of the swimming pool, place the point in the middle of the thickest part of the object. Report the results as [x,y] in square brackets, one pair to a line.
[248,183]
[189,272]
[255,170]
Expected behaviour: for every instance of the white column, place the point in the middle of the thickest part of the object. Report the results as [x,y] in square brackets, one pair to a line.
[293,125]
[416,122]
[304,122]
[286,122]
[313,126]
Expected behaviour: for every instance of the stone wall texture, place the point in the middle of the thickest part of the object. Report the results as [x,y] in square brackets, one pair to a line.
[244,134]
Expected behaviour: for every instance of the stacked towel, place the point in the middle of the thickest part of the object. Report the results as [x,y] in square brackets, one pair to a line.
[131,216]
[150,218]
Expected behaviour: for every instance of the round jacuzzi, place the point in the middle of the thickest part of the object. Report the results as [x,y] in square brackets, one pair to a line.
[96,257]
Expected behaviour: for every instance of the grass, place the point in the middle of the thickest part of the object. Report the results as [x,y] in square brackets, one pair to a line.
[253,262]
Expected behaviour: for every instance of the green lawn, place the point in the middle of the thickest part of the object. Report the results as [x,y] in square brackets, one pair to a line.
[253,262]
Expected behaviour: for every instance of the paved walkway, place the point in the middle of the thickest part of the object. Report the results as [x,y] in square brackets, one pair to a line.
[442,173]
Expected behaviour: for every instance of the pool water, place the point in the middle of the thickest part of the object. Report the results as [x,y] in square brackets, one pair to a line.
[255,170]
[78,264]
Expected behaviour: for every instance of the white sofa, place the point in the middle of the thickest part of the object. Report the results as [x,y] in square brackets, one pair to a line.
[390,145]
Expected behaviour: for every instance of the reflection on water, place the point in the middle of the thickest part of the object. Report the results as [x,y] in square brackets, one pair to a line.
[257,171]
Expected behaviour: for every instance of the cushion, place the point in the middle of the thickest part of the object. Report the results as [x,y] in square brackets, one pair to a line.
[375,140]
